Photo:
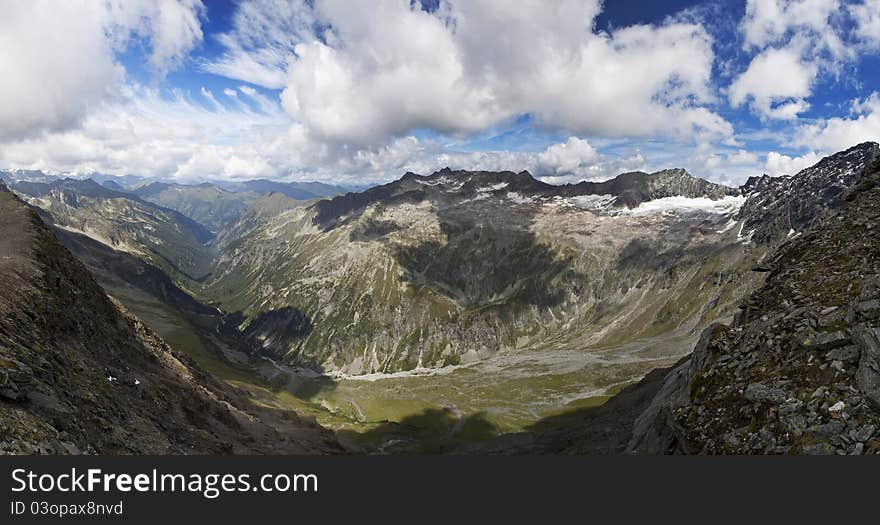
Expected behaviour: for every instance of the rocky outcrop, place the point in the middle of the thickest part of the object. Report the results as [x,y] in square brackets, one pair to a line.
[778,208]
[801,373]
[656,431]
[865,316]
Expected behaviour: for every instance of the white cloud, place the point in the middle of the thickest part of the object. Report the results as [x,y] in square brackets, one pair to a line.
[778,164]
[58,58]
[360,73]
[776,83]
[209,96]
[800,42]
[567,157]
[742,157]
[360,78]
[172,26]
[262,41]
[839,133]
[140,131]
[867,18]
[769,22]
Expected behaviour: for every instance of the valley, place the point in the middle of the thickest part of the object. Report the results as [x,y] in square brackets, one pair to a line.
[439,312]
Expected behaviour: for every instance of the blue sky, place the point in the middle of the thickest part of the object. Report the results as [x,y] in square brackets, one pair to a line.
[363,91]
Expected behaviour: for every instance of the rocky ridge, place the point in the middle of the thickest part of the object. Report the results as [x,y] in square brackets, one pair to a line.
[79,374]
[799,369]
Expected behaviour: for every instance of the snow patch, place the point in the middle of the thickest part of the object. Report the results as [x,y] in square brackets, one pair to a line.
[519,199]
[724,206]
[747,238]
[454,185]
[592,202]
[494,187]
[479,197]
[729,226]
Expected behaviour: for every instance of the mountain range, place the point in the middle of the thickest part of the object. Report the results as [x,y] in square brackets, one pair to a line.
[489,308]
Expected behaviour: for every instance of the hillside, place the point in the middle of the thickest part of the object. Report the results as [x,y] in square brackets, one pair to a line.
[164,237]
[459,299]
[81,375]
[797,371]
[456,266]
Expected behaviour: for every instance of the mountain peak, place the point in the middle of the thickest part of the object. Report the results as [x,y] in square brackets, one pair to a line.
[635,187]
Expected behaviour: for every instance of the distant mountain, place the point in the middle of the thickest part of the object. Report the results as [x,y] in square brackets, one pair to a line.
[207,204]
[29,175]
[626,190]
[215,205]
[125,182]
[399,268]
[386,279]
[125,222]
[293,190]
[781,207]
[113,185]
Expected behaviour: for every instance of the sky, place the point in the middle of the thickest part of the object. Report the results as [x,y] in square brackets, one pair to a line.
[361,91]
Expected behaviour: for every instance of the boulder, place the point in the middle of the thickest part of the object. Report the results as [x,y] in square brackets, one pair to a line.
[867,338]
[759,393]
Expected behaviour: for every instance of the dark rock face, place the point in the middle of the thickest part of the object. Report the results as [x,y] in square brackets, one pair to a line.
[779,206]
[802,376]
[277,328]
[865,316]
[656,431]
[80,374]
[630,189]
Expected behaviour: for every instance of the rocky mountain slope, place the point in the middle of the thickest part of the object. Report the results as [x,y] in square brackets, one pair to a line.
[556,292]
[782,207]
[78,373]
[216,206]
[164,237]
[453,267]
[797,371]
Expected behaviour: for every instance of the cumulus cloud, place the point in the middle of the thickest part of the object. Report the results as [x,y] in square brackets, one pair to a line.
[58,58]
[776,84]
[360,73]
[799,42]
[339,90]
[778,164]
[768,22]
[567,157]
[838,133]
